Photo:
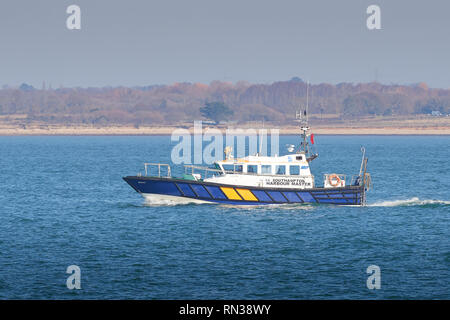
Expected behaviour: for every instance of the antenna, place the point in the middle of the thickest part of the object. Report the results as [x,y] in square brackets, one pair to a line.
[363,151]
[302,117]
[307,101]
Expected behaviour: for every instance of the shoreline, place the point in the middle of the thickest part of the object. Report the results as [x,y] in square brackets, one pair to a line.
[166,130]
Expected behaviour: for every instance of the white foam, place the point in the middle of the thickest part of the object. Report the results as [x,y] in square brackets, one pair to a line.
[272,206]
[166,200]
[408,202]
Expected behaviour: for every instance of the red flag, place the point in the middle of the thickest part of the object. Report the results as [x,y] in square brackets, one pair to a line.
[312,138]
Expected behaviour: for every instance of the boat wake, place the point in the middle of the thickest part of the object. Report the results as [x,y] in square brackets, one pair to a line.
[409,202]
[163,200]
[161,203]
[268,207]
[169,203]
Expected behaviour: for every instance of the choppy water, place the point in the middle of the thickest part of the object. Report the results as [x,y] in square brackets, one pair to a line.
[63,202]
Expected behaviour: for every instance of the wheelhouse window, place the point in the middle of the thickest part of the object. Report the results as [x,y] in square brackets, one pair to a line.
[281,170]
[294,170]
[299,158]
[233,167]
[252,168]
[266,169]
[228,167]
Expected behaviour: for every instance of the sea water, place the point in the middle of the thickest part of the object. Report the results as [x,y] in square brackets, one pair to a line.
[63,202]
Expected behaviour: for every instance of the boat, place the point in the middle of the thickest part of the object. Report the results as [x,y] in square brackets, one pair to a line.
[255,179]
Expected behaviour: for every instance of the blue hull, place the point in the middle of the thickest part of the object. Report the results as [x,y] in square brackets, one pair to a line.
[242,195]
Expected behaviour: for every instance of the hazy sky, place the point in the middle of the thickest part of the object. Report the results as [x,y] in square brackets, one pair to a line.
[144,42]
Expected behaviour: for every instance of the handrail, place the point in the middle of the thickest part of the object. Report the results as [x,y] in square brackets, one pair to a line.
[368,181]
[147,164]
[207,169]
[340,175]
[201,168]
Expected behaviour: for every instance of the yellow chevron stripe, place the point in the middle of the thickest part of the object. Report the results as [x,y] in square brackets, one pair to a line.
[230,193]
[247,194]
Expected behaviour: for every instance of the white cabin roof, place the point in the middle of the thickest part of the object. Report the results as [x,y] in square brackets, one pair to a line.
[296,158]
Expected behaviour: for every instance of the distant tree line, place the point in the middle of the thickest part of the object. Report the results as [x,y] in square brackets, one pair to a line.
[218,101]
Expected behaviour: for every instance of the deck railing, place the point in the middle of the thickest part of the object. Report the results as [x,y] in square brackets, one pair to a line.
[148,167]
[164,170]
[188,169]
[209,172]
[192,169]
[341,178]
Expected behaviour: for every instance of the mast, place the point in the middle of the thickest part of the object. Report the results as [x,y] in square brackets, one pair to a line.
[302,117]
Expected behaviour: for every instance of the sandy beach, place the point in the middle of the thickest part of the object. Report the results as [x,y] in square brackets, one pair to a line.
[57,130]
